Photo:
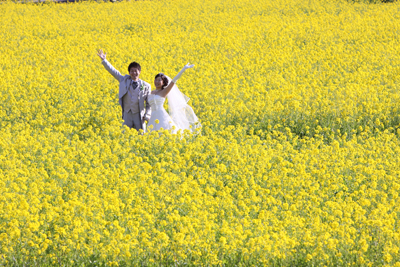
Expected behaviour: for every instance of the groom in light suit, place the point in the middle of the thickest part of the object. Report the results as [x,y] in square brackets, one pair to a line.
[133,94]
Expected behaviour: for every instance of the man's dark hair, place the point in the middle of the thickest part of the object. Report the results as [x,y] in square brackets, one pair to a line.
[134,65]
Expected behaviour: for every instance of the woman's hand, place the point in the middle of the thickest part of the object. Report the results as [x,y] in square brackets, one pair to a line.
[101,54]
[188,66]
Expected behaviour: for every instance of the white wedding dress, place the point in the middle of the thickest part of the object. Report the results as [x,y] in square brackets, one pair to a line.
[159,113]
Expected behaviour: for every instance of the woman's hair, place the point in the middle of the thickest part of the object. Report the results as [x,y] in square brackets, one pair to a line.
[163,78]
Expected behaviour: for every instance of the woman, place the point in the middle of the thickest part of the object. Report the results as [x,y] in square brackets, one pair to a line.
[181,115]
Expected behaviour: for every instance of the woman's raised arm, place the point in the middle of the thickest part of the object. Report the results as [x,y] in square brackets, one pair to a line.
[165,92]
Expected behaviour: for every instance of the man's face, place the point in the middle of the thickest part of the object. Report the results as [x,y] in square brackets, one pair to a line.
[134,73]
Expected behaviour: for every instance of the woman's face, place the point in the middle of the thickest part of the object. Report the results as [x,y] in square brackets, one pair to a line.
[158,82]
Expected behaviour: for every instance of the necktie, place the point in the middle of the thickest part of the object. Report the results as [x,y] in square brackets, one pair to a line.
[132,88]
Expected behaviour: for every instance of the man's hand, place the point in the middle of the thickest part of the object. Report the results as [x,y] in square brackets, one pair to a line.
[101,54]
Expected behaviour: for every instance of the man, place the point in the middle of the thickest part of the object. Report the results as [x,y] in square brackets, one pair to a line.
[133,94]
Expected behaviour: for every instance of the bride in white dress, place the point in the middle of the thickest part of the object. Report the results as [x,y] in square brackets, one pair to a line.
[181,115]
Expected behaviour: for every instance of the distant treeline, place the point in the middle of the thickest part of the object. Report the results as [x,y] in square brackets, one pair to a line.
[74,1]
[59,1]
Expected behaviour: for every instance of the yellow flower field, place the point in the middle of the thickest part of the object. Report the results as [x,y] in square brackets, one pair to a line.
[297,161]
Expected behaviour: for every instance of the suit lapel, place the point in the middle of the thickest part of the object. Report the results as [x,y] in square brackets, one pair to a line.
[140,91]
[141,101]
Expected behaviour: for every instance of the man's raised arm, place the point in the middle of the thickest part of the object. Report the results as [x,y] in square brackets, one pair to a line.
[107,65]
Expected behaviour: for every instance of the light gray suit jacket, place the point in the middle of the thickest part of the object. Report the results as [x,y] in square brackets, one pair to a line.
[124,83]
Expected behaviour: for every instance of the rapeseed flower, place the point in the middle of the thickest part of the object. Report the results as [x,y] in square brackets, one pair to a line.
[296,161]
